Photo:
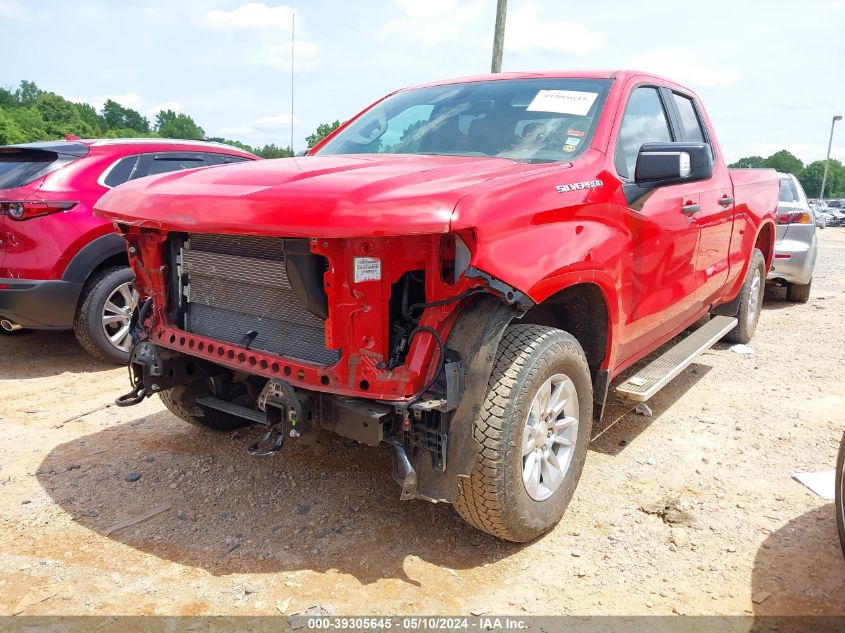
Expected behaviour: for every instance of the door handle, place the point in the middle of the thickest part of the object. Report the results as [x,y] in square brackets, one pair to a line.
[689,209]
[726,201]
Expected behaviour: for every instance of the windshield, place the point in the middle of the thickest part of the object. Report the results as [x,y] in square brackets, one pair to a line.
[527,120]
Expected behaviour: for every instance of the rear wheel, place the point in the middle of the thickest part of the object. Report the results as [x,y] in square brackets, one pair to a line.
[798,293]
[182,402]
[750,300]
[533,431]
[102,318]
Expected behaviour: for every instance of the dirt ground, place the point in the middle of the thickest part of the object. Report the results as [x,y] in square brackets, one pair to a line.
[322,523]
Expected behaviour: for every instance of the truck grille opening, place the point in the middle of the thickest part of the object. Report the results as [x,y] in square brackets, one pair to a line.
[229,287]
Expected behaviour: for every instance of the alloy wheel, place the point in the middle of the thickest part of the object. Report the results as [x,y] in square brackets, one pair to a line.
[117,313]
[549,437]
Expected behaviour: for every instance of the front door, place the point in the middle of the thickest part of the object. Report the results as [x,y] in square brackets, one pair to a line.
[660,294]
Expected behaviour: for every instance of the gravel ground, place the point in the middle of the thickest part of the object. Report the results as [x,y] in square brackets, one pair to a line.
[691,511]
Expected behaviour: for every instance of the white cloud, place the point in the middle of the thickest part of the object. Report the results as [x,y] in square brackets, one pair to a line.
[526,31]
[167,105]
[16,11]
[679,67]
[128,100]
[278,55]
[238,130]
[276,121]
[253,15]
[263,127]
[431,21]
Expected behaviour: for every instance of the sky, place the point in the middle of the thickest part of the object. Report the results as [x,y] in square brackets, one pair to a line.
[770,74]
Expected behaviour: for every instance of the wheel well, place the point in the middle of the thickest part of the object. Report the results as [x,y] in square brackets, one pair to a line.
[580,310]
[765,242]
[119,259]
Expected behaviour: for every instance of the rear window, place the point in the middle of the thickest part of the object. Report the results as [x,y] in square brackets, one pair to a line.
[787,191]
[122,171]
[227,158]
[19,167]
[164,164]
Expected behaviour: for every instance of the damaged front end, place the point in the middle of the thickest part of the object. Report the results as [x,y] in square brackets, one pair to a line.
[382,339]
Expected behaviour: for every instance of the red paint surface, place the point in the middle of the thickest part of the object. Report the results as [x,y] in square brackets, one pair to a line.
[657,269]
[40,248]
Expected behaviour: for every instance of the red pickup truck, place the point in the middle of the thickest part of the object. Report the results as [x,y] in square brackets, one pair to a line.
[459,271]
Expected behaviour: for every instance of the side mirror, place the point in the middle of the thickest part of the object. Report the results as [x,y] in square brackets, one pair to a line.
[669,163]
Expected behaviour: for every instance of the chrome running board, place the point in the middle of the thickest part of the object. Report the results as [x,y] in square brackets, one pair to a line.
[654,376]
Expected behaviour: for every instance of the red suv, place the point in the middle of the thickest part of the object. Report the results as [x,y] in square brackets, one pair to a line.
[60,267]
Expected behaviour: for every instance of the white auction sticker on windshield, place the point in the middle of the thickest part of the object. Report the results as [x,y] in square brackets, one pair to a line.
[367,269]
[563,102]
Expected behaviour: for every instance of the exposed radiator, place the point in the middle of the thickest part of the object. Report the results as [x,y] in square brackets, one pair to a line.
[232,285]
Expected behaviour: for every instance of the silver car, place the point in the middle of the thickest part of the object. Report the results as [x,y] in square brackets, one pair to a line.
[796,246]
[819,214]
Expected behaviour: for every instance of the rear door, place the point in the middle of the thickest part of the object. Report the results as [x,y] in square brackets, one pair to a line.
[715,198]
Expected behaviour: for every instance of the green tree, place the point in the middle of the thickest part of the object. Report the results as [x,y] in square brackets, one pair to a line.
[27,93]
[127,132]
[784,162]
[8,98]
[116,116]
[60,116]
[169,124]
[238,144]
[322,131]
[811,179]
[10,133]
[30,123]
[273,151]
[748,161]
[89,115]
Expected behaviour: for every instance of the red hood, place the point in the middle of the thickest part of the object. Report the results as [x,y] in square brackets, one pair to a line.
[312,196]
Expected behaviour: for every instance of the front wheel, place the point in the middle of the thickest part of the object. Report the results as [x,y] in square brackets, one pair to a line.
[105,309]
[750,300]
[533,432]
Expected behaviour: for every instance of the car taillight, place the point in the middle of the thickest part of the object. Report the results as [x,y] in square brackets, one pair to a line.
[26,209]
[794,217]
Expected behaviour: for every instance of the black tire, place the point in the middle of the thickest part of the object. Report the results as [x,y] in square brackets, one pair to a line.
[840,494]
[798,293]
[88,325]
[494,498]
[181,402]
[744,330]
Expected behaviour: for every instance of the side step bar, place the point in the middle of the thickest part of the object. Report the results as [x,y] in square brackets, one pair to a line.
[653,377]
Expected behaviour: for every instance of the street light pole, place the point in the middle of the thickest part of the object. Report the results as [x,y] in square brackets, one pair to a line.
[499,35]
[827,160]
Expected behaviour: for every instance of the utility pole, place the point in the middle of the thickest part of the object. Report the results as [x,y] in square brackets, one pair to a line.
[827,160]
[499,35]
